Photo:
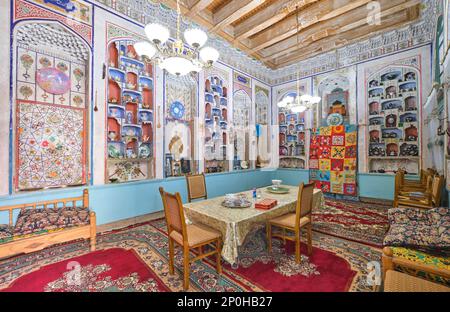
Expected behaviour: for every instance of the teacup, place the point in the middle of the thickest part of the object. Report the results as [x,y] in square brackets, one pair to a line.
[276,184]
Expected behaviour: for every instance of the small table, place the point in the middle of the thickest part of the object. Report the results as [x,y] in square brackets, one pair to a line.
[235,224]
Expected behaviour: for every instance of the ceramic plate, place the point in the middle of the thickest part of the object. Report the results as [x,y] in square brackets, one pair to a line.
[177,110]
[335,120]
[279,190]
[144,151]
[237,204]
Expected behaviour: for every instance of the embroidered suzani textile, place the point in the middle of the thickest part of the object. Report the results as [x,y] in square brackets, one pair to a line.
[332,159]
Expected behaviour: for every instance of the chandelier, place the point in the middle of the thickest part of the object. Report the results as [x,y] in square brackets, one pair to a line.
[177,57]
[298,103]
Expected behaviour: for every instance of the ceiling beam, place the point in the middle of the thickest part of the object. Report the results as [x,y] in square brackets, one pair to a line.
[389,23]
[316,13]
[233,11]
[267,17]
[353,20]
[198,6]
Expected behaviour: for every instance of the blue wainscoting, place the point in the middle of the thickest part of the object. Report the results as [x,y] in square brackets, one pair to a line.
[380,186]
[115,202]
[291,176]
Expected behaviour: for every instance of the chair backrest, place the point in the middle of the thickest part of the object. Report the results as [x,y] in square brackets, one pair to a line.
[397,185]
[173,210]
[196,187]
[304,201]
[436,190]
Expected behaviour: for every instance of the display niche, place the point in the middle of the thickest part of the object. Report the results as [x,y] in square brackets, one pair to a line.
[130,115]
[216,124]
[393,105]
[291,137]
[179,137]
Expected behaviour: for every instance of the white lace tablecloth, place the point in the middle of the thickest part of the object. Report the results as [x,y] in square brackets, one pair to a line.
[235,224]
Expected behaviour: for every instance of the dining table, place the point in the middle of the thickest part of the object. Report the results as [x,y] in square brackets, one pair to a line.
[236,223]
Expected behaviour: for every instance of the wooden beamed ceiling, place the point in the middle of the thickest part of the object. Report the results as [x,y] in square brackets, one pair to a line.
[268,29]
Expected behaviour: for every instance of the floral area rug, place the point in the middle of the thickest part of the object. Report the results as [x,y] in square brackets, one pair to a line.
[356,221]
[136,259]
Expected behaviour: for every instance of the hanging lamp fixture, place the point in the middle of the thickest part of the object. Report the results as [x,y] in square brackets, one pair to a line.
[177,57]
[299,103]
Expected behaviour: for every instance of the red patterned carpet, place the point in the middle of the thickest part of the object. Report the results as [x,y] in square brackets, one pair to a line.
[135,259]
[356,221]
[114,269]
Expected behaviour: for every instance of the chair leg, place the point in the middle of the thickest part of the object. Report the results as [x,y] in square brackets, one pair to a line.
[297,247]
[171,256]
[186,267]
[309,228]
[284,236]
[219,256]
[269,236]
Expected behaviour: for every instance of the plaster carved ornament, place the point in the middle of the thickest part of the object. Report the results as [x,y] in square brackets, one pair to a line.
[411,35]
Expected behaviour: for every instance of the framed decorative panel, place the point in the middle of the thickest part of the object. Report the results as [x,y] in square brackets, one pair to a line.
[130,114]
[49,140]
[262,106]
[242,116]
[51,112]
[216,101]
[179,135]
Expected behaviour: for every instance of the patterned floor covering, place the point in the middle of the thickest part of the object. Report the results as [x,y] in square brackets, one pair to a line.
[141,264]
[356,221]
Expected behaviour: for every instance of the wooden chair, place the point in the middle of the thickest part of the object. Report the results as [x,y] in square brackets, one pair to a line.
[294,222]
[191,236]
[428,199]
[421,185]
[196,186]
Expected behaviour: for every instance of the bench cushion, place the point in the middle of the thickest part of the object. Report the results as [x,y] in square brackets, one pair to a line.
[6,233]
[423,230]
[32,221]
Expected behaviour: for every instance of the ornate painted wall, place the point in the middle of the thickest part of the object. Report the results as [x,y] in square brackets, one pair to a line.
[96,33]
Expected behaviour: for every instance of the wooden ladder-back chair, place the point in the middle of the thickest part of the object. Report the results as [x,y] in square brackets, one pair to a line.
[429,199]
[196,186]
[191,236]
[294,222]
[416,185]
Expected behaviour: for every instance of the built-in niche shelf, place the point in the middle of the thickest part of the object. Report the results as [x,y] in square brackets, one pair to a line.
[292,139]
[216,125]
[393,118]
[130,114]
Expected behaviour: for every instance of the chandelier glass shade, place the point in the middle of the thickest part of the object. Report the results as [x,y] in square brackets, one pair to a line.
[299,103]
[177,57]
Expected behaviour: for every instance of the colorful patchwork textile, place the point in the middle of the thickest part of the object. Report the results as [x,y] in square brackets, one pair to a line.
[37,220]
[337,151]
